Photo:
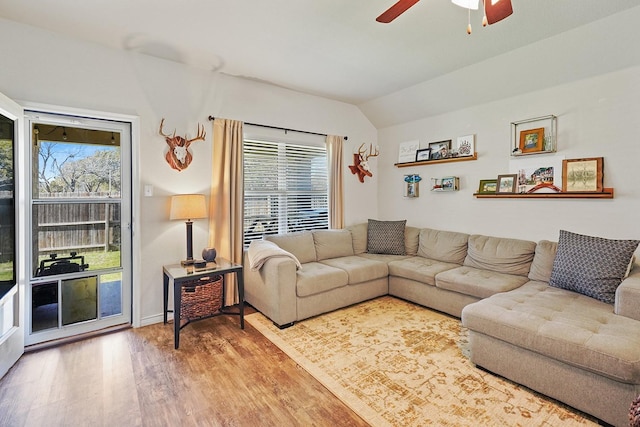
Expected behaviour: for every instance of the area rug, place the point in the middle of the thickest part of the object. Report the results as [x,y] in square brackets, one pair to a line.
[398,364]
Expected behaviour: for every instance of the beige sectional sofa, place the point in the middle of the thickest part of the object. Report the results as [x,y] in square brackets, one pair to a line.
[566,345]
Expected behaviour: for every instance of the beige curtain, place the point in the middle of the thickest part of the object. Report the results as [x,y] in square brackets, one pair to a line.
[336,196]
[226,200]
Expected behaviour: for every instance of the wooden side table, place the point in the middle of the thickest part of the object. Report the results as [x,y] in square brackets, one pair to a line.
[181,275]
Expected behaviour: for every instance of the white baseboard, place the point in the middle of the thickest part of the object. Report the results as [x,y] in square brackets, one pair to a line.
[156,318]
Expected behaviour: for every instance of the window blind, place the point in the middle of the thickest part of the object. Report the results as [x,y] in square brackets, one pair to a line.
[285,188]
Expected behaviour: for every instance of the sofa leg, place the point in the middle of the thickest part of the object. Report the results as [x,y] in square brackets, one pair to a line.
[285,326]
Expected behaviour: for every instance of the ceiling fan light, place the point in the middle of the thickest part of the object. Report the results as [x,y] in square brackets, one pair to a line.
[467,4]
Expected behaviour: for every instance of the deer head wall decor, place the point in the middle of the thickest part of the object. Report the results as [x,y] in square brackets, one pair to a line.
[360,165]
[179,157]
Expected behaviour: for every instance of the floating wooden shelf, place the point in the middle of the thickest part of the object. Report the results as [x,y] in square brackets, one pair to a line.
[432,162]
[606,193]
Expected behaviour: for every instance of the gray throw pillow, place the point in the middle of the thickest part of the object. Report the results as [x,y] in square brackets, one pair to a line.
[592,266]
[386,237]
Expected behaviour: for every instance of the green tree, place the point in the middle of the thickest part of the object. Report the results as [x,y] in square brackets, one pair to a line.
[6,164]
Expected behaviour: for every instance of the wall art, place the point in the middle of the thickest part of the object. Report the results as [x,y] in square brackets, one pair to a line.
[583,175]
[466,145]
[407,151]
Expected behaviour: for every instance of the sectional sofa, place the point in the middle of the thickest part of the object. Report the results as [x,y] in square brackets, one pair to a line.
[529,319]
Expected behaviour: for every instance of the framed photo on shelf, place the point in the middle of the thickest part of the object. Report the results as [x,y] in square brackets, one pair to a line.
[507,183]
[466,145]
[583,175]
[450,183]
[407,151]
[532,140]
[488,186]
[439,150]
[423,154]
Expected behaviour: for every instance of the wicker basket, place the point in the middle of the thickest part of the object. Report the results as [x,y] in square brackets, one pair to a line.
[201,297]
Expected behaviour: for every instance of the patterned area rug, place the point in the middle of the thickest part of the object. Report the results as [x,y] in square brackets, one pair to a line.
[395,363]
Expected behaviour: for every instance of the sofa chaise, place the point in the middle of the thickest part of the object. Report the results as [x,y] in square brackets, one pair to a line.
[569,346]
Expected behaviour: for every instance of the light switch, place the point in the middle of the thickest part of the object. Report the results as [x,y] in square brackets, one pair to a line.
[148,190]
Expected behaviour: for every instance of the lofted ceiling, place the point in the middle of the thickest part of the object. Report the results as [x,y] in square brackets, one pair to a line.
[331,48]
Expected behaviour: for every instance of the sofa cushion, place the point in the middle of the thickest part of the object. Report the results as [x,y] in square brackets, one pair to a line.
[478,282]
[419,269]
[384,257]
[299,244]
[563,325]
[332,243]
[359,269]
[315,278]
[446,246]
[386,237]
[358,237]
[411,240]
[543,261]
[502,255]
[593,266]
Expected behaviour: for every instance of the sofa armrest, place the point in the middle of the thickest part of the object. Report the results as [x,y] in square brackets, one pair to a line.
[272,289]
[627,301]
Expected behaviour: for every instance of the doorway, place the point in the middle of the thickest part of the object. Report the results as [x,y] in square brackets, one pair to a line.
[11,288]
[79,259]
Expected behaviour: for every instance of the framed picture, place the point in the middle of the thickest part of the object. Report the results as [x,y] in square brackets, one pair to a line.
[532,140]
[488,186]
[407,151]
[538,174]
[423,154]
[583,175]
[466,145]
[440,149]
[507,183]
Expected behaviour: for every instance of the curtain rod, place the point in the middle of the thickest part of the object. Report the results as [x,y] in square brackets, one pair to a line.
[211,118]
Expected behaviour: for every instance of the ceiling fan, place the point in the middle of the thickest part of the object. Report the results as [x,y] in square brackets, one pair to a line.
[495,10]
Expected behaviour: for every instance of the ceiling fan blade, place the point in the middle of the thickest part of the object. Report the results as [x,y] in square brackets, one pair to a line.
[497,11]
[396,10]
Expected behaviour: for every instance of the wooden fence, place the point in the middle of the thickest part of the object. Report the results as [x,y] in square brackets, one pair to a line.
[78,227]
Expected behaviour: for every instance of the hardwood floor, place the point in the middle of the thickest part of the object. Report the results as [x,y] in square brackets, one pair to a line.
[220,376]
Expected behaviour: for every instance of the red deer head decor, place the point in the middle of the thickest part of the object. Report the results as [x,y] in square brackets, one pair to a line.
[179,157]
[360,165]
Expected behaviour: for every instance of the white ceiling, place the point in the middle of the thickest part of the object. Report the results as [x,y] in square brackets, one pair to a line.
[331,48]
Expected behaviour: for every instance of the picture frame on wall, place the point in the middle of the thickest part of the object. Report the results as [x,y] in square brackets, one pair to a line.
[440,149]
[423,154]
[532,140]
[583,175]
[507,183]
[488,186]
[466,145]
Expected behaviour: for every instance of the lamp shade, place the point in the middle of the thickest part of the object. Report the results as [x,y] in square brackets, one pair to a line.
[188,206]
[467,4]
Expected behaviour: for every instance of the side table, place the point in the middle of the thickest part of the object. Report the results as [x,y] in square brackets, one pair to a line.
[181,275]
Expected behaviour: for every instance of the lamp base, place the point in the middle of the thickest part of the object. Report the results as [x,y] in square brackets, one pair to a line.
[187,262]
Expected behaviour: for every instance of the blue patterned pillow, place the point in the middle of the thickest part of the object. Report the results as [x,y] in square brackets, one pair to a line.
[386,237]
[592,266]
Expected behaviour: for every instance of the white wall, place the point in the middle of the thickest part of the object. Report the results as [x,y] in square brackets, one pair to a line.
[45,68]
[597,116]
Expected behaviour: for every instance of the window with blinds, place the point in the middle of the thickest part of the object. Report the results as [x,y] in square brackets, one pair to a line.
[285,188]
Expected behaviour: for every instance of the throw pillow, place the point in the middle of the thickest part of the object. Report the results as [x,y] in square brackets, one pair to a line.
[386,237]
[592,266]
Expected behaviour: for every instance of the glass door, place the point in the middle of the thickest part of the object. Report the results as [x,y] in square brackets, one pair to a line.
[80,269]
[11,291]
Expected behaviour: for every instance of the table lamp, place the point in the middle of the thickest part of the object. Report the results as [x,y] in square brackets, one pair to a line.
[189,207]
